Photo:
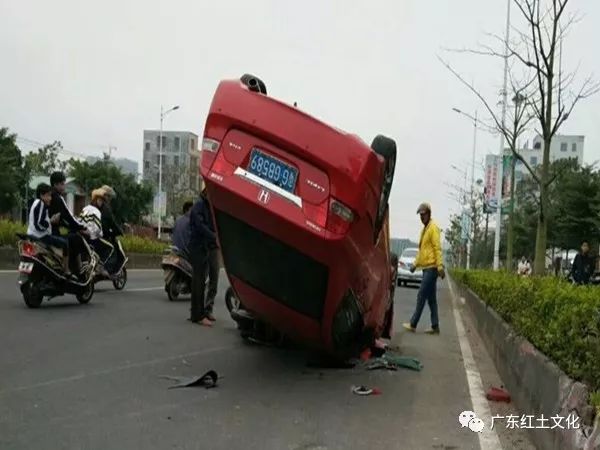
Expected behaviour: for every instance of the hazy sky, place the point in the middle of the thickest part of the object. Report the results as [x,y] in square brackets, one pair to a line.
[95,73]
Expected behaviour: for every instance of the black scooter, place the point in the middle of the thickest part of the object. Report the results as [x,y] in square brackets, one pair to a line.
[41,272]
[119,276]
[177,272]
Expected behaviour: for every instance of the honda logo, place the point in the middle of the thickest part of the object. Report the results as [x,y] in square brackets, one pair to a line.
[264,196]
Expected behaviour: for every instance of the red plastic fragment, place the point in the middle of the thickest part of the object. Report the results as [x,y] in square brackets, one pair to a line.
[495,394]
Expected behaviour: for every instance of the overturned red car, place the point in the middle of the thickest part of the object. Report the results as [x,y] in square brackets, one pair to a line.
[301,212]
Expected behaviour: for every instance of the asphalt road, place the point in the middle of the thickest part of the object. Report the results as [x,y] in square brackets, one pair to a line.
[88,377]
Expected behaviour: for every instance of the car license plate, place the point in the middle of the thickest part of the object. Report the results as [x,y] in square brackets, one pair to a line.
[273,170]
[25,267]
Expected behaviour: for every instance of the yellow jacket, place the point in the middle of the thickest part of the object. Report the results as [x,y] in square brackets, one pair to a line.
[430,248]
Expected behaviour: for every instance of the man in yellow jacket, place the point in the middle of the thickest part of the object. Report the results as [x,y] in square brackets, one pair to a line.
[429,258]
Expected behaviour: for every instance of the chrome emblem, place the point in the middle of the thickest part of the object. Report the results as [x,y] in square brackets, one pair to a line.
[315,185]
[235,146]
[264,196]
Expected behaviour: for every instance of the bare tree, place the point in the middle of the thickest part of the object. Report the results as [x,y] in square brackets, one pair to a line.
[545,94]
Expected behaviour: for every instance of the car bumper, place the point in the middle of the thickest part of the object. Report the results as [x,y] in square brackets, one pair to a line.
[406,275]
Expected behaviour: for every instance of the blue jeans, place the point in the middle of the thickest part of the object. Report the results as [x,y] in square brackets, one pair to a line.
[427,293]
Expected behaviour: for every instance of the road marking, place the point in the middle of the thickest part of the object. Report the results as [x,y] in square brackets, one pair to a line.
[488,439]
[96,373]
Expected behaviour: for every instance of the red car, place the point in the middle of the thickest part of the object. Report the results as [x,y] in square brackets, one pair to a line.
[300,209]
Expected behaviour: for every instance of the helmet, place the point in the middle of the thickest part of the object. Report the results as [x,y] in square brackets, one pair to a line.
[98,193]
[109,192]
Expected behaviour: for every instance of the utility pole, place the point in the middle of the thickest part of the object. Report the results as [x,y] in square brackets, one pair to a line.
[160,160]
[501,153]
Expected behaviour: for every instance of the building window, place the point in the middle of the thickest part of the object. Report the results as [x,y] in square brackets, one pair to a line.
[146,165]
[158,157]
[164,141]
[176,160]
[533,160]
[563,147]
[574,147]
[177,143]
[537,145]
[193,144]
[147,147]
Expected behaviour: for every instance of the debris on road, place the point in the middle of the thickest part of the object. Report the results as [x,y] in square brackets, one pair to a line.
[208,380]
[495,394]
[363,390]
[394,362]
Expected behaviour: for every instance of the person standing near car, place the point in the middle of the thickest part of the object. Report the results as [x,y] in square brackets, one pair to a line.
[583,265]
[181,230]
[202,240]
[429,258]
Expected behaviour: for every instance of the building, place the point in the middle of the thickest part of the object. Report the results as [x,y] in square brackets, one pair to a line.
[127,166]
[562,147]
[180,165]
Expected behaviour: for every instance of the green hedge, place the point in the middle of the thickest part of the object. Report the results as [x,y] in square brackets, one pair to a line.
[131,244]
[561,320]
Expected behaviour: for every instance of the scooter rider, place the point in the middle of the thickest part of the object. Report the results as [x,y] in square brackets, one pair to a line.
[66,219]
[92,219]
[110,229]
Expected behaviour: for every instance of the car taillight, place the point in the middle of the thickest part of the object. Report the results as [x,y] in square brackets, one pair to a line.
[222,166]
[340,217]
[28,249]
[316,213]
[210,145]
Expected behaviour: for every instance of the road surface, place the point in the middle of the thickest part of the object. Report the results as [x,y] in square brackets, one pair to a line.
[88,377]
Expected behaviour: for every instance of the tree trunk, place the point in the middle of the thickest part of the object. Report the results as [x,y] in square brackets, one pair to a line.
[541,240]
[511,219]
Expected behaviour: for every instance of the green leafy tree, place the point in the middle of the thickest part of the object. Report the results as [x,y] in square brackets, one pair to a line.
[133,199]
[12,179]
[45,160]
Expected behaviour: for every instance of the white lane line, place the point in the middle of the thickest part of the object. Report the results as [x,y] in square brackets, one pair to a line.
[95,373]
[488,439]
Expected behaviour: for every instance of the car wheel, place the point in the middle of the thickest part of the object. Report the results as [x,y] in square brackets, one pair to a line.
[255,84]
[385,147]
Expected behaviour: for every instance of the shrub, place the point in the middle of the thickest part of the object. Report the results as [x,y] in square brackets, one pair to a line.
[8,231]
[131,244]
[137,244]
[560,319]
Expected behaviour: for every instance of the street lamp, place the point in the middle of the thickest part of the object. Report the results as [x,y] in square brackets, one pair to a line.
[475,126]
[160,159]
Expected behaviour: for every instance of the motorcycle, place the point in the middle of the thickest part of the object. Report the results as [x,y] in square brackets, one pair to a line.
[177,272]
[41,273]
[118,277]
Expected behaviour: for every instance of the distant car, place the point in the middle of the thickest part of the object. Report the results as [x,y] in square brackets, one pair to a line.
[405,262]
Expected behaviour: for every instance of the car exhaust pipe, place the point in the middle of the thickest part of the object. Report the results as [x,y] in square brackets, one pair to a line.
[254,84]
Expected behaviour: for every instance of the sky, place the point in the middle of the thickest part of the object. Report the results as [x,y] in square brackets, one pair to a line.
[94,74]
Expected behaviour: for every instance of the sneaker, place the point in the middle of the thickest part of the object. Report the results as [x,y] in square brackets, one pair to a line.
[409,327]
[432,331]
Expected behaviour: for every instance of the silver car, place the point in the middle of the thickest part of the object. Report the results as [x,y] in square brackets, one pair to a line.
[405,262]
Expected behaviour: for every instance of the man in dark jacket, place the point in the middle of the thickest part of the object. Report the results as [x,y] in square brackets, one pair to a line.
[181,230]
[66,219]
[583,265]
[202,241]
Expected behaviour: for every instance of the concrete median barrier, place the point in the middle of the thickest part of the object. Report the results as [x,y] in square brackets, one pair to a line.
[537,385]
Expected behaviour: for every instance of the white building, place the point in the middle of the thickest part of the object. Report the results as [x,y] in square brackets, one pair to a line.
[562,147]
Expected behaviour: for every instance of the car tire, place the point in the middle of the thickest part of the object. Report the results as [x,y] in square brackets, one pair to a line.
[386,148]
[255,84]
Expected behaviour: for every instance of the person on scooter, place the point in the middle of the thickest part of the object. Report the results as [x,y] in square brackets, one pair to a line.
[110,229]
[202,240]
[92,219]
[40,223]
[181,230]
[66,219]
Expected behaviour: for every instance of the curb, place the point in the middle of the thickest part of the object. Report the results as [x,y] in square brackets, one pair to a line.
[535,383]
